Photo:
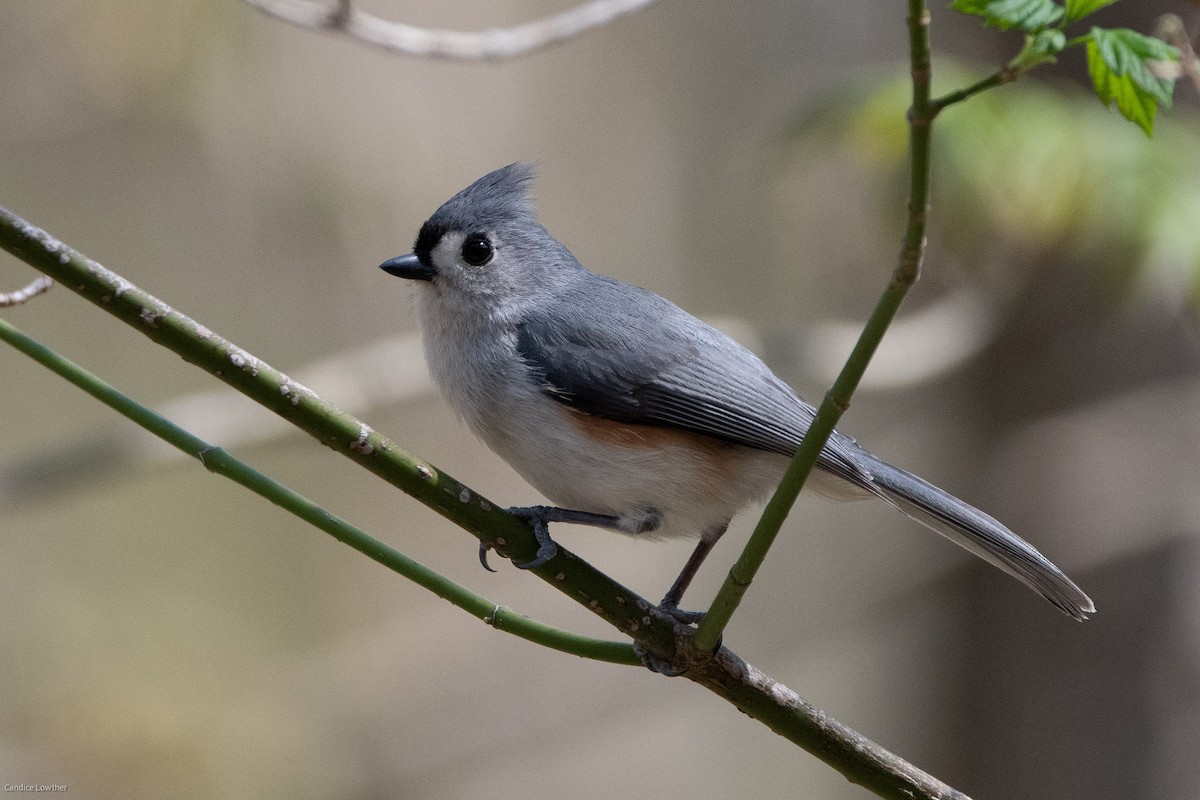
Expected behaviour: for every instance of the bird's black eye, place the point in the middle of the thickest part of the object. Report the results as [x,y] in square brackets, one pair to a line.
[477,250]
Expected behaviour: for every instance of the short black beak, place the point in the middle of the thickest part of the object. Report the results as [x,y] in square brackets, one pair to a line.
[408,266]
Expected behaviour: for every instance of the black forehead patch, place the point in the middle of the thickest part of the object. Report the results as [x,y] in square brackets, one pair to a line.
[428,239]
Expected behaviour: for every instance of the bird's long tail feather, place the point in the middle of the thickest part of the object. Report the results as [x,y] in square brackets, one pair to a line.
[975,531]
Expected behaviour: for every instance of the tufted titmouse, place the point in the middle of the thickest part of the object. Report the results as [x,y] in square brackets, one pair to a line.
[628,411]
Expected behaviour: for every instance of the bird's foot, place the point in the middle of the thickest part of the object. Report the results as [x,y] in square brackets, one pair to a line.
[539,518]
[655,663]
[679,615]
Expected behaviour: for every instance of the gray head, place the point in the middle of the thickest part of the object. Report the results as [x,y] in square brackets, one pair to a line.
[485,246]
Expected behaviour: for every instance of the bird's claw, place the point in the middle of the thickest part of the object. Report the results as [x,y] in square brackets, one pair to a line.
[546,551]
[659,664]
[535,517]
[483,551]
[684,618]
[681,616]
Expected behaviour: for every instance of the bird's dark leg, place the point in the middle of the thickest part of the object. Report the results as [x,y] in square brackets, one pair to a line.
[670,601]
[539,519]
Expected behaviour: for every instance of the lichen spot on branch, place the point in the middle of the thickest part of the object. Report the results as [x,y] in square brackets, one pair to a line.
[244,361]
[361,445]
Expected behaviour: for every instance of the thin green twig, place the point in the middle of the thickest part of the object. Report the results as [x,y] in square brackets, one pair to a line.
[222,463]
[837,399]
[1004,75]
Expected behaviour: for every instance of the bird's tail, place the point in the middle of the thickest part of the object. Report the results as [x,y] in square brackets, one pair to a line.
[975,531]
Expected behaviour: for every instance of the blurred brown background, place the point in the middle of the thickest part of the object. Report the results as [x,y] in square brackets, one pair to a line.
[165,634]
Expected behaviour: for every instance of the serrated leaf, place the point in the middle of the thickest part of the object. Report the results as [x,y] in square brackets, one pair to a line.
[1136,106]
[1078,9]
[1117,61]
[1028,15]
[1127,53]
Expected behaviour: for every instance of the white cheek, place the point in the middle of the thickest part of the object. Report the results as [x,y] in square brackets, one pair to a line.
[447,255]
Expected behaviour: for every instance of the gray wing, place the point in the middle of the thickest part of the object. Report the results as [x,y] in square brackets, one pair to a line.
[619,352]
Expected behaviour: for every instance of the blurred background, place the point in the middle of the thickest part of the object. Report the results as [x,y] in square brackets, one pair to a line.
[164,633]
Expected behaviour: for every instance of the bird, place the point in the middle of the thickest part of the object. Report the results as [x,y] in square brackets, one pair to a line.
[626,411]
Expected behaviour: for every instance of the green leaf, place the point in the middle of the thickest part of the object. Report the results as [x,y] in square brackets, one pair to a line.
[1078,9]
[976,8]
[1028,15]
[1117,61]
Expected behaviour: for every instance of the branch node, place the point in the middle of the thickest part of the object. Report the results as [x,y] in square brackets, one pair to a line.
[362,445]
[206,454]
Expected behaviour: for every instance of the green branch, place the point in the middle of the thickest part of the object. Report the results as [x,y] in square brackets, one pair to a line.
[1000,77]
[837,399]
[779,708]
[220,462]
[351,437]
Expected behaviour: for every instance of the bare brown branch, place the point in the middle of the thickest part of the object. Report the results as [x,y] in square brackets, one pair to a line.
[495,44]
[39,285]
[1171,29]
